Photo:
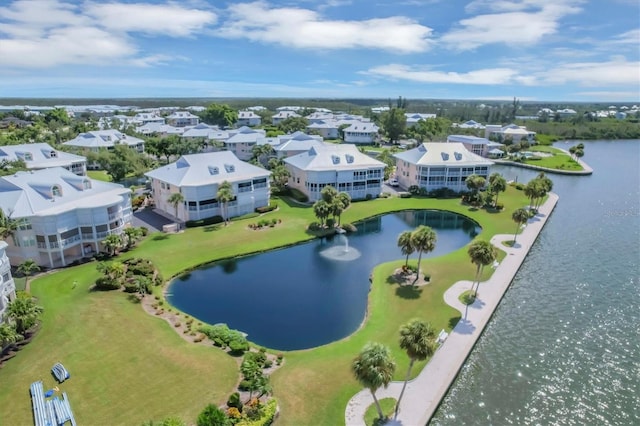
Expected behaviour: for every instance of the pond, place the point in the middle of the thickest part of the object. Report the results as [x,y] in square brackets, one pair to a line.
[313,293]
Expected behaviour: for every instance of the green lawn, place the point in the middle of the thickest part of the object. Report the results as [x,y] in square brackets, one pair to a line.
[128,367]
[560,159]
[99,175]
[388,406]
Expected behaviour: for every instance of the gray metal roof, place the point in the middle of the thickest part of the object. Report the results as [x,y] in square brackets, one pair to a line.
[442,154]
[333,157]
[40,154]
[28,194]
[205,169]
[103,139]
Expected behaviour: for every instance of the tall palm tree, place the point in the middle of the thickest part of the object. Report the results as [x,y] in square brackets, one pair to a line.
[423,240]
[131,236]
[7,225]
[112,242]
[24,312]
[482,253]
[322,210]
[341,203]
[224,195]
[374,368]
[519,216]
[417,338]
[27,268]
[406,245]
[498,184]
[175,200]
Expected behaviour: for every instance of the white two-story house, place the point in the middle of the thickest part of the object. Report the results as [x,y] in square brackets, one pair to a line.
[361,132]
[248,118]
[434,165]
[342,166]
[61,217]
[38,156]
[241,141]
[182,119]
[198,177]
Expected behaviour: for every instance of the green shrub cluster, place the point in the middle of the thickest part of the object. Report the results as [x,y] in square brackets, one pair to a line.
[404,194]
[264,209]
[203,222]
[267,415]
[264,223]
[221,335]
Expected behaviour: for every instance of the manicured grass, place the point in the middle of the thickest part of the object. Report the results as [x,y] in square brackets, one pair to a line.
[560,160]
[128,367]
[99,175]
[546,148]
[467,297]
[388,405]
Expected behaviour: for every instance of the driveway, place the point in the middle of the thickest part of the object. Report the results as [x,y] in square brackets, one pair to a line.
[150,219]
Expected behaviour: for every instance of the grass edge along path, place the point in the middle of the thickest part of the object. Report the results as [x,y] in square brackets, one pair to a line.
[101,333]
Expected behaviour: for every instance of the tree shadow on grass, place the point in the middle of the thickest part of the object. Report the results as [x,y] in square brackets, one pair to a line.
[408,292]
[453,321]
[160,237]
[134,298]
[211,228]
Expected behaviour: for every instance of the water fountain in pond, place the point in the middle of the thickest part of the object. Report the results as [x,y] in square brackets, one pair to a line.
[341,252]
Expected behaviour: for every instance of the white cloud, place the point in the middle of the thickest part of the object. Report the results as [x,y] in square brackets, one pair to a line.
[166,19]
[616,72]
[512,23]
[489,76]
[630,37]
[49,33]
[307,29]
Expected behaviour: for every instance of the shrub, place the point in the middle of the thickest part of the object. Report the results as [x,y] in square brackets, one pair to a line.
[106,283]
[368,197]
[404,194]
[202,222]
[177,324]
[258,357]
[349,227]
[234,401]
[414,189]
[427,277]
[267,415]
[265,209]
[238,344]
[233,413]
[244,385]
[499,206]
[130,287]
[385,195]
[267,363]
[219,332]
[144,231]
[331,222]
[212,416]
[519,186]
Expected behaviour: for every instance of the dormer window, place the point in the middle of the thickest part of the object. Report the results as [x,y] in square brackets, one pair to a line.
[445,156]
[53,154]
[28,156]
[213,170]
[56,191]
[86,184]
[349,158]
[230,168]
[335,159]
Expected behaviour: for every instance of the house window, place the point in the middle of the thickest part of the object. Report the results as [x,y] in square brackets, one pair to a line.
[56,191]
[86,184]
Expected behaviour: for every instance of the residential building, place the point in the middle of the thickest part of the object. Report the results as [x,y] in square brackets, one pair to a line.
[143,118]
[328,129]
[198,176]
[361,133]
[317,117]
[104,139]
[160,129]
[295,143]
[342,166]
[61,216]
[476,145]
[566,112]
[182,119]
[471,124]
[248,118]
[414,117]
[241,141]
[7,285]
[38,156]
[511,132]
[434,165]
[283,115]
[13,122]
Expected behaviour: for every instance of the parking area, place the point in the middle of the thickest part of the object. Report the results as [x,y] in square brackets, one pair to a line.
[150,219]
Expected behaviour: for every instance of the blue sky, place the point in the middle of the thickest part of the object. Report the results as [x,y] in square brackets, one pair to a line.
[555,50]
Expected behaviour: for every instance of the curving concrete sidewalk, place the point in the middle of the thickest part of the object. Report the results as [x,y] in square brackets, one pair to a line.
[424,393]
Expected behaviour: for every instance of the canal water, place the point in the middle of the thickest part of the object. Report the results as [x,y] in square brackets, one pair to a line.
[563,347]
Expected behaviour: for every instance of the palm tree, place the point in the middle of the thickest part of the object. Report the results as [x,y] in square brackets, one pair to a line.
[482,253]
[340,203]
[8,335]
[417,338]
[7,225]
[175,200]
[519,216]
[224,195]
[406,245]
[498,184]
[27,268]
[112,243]
[423,240]
[24,312]
[131,236]
[322,210]
[374,368]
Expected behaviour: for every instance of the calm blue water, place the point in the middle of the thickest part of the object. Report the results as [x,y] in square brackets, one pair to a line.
[295,298]
[563,347]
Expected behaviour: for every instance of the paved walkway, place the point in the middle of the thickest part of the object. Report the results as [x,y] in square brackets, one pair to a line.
[424,393]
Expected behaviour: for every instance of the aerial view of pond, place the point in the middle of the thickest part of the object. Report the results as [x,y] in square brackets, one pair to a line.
[309,294]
